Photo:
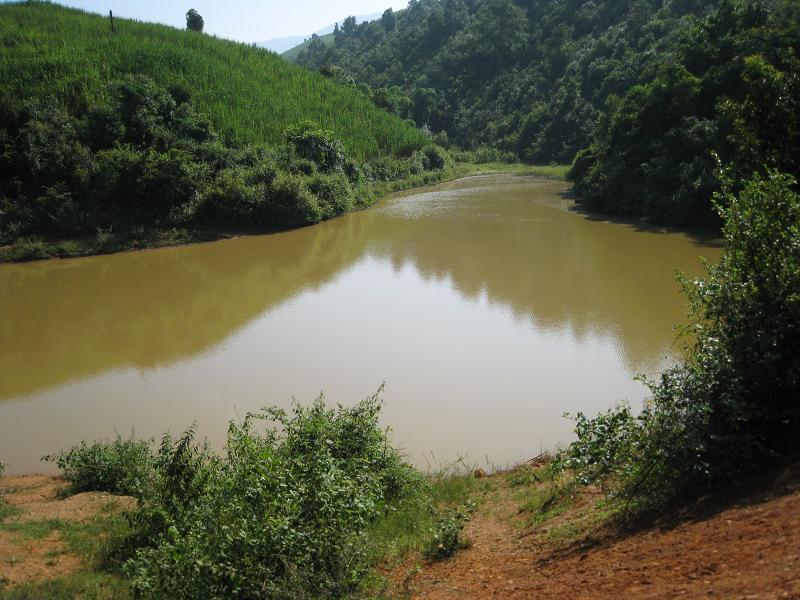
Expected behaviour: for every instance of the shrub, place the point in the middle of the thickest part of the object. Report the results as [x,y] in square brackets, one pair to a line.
[334,193]
[317,145]
[285,514]
[732,407]
[143,158]
[446,537]
[231,199]
[485,154]
[436,158]
[288,203]
[604,444]
[119,467]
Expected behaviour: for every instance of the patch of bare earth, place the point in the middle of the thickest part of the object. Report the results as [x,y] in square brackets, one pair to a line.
[38,498]
[751,551]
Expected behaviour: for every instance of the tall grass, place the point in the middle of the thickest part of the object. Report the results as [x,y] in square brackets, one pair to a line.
[250,94]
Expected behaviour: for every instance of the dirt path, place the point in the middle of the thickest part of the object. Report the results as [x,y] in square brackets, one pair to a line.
[747,552]
[751,551]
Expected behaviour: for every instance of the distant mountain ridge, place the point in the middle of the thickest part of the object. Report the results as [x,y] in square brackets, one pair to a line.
[282,44]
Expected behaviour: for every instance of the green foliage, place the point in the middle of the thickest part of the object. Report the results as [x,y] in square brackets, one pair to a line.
[526,77]
[604,444]
[249,94]
[729,94]
[147,160]
[194,22]
[293,509]
[446,538]
[650,90]
[731,409]
[120,467]
[316,145]
[334,193]
[484,154]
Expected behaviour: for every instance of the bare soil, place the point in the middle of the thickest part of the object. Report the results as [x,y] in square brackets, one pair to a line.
[749,551]
[38,498]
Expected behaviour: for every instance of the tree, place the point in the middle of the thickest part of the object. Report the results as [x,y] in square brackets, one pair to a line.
[194,22]
[389,20]
[349,25]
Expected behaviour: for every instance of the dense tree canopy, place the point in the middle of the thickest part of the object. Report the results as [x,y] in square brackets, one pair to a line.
[728,100]
[523,75]
[652,96]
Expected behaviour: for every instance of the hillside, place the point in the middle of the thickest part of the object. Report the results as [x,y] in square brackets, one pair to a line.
[292,53]
[650,92]
[748,550]
[147,135]
[290,47]
[247,92]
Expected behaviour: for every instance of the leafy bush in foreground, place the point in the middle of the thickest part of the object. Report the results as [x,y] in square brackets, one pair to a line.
[734,405]
[119,467]
[296,509]
[283,515]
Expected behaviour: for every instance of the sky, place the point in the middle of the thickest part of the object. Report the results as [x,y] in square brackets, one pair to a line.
[243,20]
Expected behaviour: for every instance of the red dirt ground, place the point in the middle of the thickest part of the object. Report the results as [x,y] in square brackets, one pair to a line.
[36,497]
[749,551]
[746,552]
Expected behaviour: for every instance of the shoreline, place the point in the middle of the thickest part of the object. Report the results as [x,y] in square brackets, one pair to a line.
[39,249]
[526,538]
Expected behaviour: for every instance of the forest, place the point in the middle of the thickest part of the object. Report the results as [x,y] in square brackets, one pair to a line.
[647,99]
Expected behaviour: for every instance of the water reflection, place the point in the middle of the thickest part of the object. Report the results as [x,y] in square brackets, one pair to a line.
[491,260]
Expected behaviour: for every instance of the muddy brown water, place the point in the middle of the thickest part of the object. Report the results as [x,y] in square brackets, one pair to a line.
[488,306]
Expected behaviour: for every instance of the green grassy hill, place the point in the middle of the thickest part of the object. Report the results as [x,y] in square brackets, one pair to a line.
[148,135]
[293,53]
[247,92]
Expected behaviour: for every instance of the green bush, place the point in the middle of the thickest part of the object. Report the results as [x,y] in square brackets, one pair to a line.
[119,467]
[334,193]
[288,203]
[733,406]
[285,514]
[731,409]
[231,199]
[446,537]
[317,145]
[605,443]
[435,158]
[140,156]
[485,154]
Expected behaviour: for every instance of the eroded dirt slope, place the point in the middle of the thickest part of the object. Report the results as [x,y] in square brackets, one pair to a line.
[751,551]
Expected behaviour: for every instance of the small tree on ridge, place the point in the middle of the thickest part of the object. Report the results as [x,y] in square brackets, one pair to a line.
[194,22]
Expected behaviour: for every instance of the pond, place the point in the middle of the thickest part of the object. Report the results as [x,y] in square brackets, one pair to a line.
[489,306]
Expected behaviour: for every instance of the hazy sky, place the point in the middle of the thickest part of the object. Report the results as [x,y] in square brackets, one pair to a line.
[243,20]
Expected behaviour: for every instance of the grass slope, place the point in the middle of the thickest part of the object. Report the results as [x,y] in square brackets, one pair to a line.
[249,93]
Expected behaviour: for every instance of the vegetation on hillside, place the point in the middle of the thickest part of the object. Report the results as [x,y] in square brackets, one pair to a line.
[293,53]
[248,94]
[646,91]
[729,97]
[84,154]
[731,411]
